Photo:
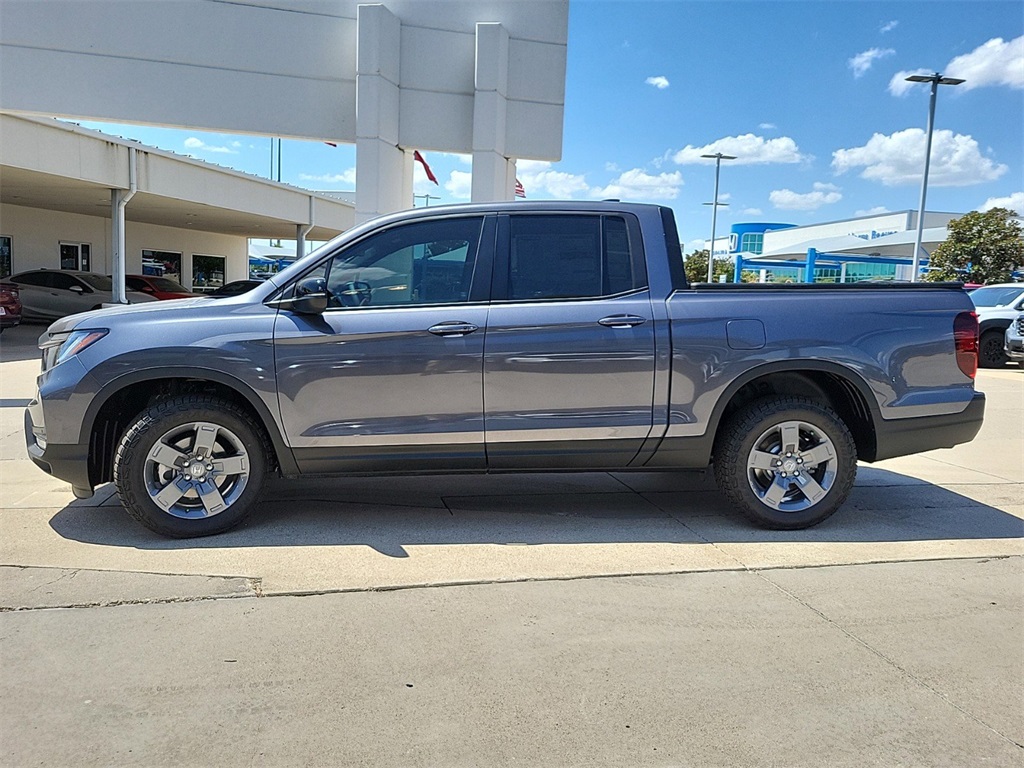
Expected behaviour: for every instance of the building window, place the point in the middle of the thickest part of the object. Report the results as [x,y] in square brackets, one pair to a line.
[6,265]
[76,256]
[207,272]
[162,264]
[752,242]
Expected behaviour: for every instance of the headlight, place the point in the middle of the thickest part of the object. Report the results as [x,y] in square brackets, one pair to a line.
[60,346]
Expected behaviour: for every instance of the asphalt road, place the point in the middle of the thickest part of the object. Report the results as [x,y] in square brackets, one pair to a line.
[537,619]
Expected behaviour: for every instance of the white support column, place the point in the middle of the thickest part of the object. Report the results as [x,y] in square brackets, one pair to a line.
[301,230]
[118,200]
[491,168]
[380,163]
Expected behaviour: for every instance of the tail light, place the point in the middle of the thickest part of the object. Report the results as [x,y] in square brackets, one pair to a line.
[965,336]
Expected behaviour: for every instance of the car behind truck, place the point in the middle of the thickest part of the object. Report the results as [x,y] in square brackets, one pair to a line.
[540,336]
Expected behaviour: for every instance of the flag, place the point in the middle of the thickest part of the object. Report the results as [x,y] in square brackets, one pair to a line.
[419,159]
[331,144]
[520,192]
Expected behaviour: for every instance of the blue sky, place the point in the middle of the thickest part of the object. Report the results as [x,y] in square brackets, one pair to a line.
[810,96]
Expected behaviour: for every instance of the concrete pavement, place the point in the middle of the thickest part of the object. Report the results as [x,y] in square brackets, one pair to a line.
[794,667]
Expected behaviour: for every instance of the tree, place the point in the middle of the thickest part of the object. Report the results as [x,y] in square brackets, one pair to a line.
[981,248]
[696,266]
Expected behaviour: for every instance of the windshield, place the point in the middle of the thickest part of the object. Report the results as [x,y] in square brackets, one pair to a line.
[996,296]
[97,282]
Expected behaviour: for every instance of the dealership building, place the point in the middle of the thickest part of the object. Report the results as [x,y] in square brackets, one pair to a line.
[484,79]
[849,249]
[61,184]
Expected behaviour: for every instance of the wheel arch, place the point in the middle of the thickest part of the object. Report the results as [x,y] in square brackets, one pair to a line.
[840,388]
[113,406]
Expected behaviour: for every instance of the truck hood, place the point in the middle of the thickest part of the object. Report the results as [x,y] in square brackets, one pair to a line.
[97,317]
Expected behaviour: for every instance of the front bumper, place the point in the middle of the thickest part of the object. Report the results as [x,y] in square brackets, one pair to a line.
[902,437]
[1015,349]
[65,462]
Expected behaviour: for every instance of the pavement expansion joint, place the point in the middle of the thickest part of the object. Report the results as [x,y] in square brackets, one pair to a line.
[884,657]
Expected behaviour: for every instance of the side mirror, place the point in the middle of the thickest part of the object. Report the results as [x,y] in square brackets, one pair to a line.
[76,288]
[310,297]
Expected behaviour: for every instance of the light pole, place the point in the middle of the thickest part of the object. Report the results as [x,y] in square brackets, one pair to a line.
[718,158]
[936,80]
[426,199]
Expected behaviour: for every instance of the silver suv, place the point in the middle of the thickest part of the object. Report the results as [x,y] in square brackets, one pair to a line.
[1014,340]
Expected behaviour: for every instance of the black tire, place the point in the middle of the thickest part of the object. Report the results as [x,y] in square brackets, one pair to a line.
[818,428]
[237,438]
[990,350]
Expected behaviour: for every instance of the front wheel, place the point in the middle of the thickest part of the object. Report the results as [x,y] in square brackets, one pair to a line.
[193,465]
[785,462]
[990,350]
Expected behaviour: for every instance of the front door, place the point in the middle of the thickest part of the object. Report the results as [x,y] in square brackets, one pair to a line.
[569,354]
[390,377]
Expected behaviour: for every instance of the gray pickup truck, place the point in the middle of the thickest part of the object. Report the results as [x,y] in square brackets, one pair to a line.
[543,336]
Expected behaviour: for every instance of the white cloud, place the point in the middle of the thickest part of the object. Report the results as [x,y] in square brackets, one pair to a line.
[748,150]
[198,145]
[898,85]
[767,126]
[1014,202]
[996,62]
[540,180]
[637,184]
[459,185]
[724,197]
[660,82]
[752,211]
[889,26]
[788,200]
[236,144]
[862,62]
[899,159]
[612,167]
[878,209]
[347,177]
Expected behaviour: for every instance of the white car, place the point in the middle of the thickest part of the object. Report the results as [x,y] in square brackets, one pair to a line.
[997,306]
[50,294]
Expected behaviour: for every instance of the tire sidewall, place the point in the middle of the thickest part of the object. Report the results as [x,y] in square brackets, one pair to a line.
[736,483]
[992,339]
[154,423]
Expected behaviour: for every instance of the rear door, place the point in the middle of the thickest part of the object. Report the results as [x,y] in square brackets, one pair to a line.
[390,376]
[569,356]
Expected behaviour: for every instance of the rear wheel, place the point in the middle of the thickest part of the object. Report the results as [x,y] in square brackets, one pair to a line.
[990,350]
[193,465]
[785,462]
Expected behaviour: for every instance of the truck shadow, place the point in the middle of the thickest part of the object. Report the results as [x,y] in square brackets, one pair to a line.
[391,514]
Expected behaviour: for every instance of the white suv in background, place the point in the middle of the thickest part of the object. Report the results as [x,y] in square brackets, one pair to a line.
[1014,341]
[997,306]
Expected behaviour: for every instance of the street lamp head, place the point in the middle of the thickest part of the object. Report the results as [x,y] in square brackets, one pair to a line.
[719,156]
[936,78]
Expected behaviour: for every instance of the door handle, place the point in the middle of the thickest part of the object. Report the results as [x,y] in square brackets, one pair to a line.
[622,321]
[453,328]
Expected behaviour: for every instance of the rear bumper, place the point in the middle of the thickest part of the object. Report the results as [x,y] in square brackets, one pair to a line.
[901,437]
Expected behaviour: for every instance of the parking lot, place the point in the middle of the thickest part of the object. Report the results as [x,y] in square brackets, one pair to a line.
[578,606]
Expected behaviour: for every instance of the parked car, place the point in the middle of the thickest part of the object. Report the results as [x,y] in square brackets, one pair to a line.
[161,288]
[10,306]
[997,306]
[1014,340]
[539,336]
[236,288]
[50,294]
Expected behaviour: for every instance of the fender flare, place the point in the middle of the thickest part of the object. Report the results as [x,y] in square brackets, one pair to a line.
[285,459]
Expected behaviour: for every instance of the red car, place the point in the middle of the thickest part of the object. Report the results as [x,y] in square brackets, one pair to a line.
[10,306]
[157,287]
